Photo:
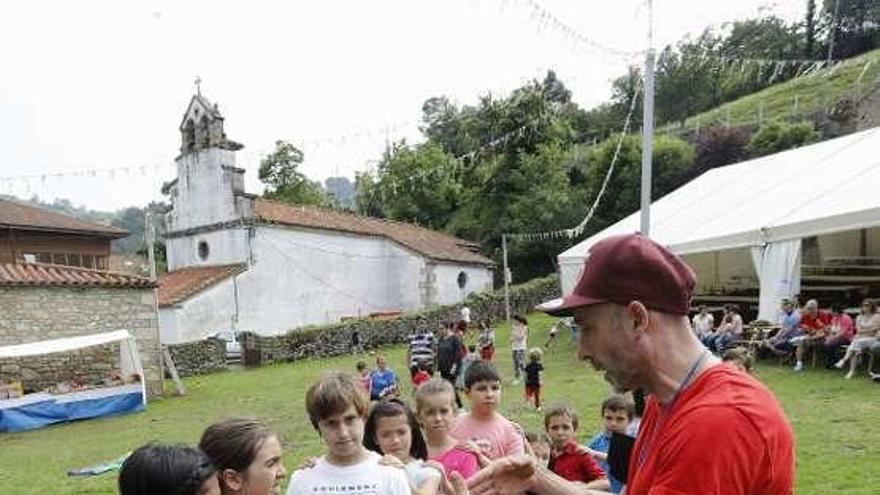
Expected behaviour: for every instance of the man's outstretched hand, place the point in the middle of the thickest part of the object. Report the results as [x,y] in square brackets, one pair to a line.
[506,476]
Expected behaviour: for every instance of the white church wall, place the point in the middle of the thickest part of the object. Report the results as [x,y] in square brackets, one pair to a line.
[210,311]
[479,279]
[204,190]
[224,247]
[303,277]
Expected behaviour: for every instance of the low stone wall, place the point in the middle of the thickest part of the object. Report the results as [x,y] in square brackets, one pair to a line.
[202,356]
[333,340]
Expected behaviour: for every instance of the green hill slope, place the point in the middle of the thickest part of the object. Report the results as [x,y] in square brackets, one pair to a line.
[799,97]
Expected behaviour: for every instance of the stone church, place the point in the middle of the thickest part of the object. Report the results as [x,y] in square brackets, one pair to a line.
[238,262]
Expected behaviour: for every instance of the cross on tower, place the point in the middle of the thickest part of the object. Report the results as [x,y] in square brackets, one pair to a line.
[199,85]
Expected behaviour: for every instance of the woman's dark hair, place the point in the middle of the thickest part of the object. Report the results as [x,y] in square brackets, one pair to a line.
[837,308]
[872,305]
[167,469]
[388,409]
[521,319]
[233,443]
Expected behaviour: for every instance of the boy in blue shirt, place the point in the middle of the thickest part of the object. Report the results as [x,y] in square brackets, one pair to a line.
[617,413]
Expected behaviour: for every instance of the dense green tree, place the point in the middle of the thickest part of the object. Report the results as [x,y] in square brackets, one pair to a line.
[279,170]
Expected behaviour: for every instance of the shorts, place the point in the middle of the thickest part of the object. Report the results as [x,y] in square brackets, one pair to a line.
[862,344]
[533,392]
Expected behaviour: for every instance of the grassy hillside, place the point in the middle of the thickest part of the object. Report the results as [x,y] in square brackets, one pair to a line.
[814,93]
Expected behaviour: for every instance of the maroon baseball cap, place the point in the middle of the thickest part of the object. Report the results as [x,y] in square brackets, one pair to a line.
[626,268]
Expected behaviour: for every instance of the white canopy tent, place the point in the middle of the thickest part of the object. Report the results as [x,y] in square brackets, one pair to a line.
[129,359]
[768,205]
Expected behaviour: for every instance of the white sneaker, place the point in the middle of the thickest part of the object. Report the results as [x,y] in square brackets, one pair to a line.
[849,375]
[515,382]
[798,367]
[839,364]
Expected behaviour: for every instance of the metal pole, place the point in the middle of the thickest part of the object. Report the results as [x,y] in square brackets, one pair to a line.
[506,277]
[647,144]
[648,126]
[150,234]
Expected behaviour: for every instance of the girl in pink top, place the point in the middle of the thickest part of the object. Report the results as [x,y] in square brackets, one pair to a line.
[435,408]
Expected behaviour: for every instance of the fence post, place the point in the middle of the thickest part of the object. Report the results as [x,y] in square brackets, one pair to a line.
[760,113]
[794,111]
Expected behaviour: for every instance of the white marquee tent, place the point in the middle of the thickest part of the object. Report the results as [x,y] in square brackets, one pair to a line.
[768,204]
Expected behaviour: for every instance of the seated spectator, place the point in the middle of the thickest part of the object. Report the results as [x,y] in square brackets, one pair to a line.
[841,333]
[867,329]
[703,322]
[729,331]
[171,469]
[781,344]
[815,327]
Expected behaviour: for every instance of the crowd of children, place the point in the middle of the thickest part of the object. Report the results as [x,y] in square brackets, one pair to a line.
[375,442]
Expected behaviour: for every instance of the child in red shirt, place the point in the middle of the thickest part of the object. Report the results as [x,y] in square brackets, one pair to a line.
[567,459]
[421,375]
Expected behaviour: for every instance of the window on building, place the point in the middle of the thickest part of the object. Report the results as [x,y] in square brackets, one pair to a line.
[462,280]
[69,259]
[203,250]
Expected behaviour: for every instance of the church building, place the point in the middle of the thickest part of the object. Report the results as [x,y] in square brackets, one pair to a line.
[238,262]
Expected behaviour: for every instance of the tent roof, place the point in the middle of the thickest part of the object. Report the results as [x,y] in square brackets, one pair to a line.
[63,344]
[826,187]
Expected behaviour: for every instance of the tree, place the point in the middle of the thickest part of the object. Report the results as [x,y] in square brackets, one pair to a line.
[810,30]
[671,160]
[341,191]
[279,171]
[776,136]
[854,26]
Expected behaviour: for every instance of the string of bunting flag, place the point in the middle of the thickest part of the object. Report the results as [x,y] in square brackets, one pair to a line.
[545,19]
[577,230]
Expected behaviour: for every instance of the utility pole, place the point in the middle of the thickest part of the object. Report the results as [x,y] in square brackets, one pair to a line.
[150,237]
[506,277]
[648,126]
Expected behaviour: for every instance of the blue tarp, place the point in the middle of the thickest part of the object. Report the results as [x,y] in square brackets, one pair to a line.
[38,410]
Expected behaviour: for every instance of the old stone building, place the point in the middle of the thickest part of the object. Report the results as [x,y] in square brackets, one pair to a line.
[239,262]
[41,301]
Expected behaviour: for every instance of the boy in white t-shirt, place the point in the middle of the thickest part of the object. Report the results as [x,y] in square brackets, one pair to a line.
[337,406]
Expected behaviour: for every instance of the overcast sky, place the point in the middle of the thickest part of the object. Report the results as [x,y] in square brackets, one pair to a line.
[94,85]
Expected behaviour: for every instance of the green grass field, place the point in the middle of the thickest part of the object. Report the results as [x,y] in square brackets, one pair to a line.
[837,422]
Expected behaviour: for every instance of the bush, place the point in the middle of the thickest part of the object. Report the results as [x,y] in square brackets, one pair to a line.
[780,136]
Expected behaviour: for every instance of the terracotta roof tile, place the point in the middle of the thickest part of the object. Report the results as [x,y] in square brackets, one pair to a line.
[179,285]
[38,274]
[430,243]
[16,214]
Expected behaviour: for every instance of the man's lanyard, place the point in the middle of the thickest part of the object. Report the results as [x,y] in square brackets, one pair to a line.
[666,409]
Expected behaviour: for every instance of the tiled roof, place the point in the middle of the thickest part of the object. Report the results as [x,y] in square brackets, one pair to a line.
[430,243]
[38,274]
[16,214]
[179,285]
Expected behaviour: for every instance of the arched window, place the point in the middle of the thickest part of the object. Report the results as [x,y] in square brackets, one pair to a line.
[462,280]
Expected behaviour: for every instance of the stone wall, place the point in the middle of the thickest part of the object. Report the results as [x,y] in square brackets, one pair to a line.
[332,340]
[89,365]
[31,314]
[201,356]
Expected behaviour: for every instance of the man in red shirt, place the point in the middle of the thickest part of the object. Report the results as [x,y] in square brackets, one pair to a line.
[707,428]
[815,326]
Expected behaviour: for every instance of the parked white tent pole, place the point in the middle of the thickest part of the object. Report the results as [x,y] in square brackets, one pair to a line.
[648,127]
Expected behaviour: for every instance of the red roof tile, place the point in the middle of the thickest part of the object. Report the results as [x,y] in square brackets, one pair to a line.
[179,285]
[16,214]
[38,274]
[432,244]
